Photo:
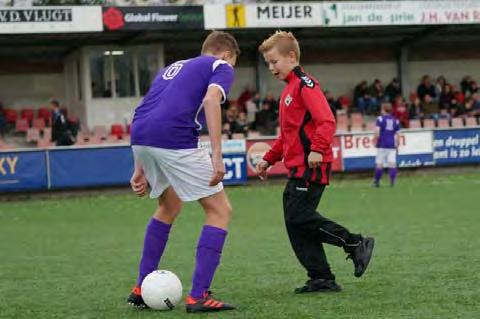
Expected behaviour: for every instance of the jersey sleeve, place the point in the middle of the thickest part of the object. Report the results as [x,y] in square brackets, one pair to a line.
[275,154]
[222,77]
[397,126]
[378,122]
[322,116]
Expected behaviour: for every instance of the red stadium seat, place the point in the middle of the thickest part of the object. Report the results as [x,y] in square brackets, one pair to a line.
[428,123]
[28,114]
[39,123]
[357,122]
[100,132]
[21,125]
[43,113]
[415,124]
[443,123]
[342,123]
[11,116]
[370,126]
[33,134]
[471,121]
[117,130]
[457,122]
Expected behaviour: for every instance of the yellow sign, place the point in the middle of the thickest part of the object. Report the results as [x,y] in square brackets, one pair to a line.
[8,165]
[236,16]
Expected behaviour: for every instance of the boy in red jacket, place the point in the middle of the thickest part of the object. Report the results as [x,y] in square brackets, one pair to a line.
[307,127]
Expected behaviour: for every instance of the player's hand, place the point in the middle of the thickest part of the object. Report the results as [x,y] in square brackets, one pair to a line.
[314,159]
[218,170]
[262,169]
[139,183]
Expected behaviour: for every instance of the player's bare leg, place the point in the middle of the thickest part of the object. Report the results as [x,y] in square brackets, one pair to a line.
[156,237]
[210,244]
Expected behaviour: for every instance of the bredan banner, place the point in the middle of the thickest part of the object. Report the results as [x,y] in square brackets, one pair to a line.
[62,19]
[415,150]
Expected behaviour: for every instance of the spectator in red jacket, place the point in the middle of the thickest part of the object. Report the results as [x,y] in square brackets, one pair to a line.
[400,111]
[307,127]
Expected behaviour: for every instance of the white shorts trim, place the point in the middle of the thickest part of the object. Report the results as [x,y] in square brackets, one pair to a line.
[188,171]
[386,157]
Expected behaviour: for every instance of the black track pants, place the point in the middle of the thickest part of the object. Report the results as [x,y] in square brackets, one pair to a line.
[308,230]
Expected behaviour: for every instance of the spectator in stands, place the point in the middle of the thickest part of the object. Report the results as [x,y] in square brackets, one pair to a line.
[251,109]
[440,85]
[257,100]
[362,98]
[416,109]
[465,84]
[469,108]
[426,88]
[430,106]
[446,97]
[334,105]
[393,90]
[265,120]
[61,133]
[378,96]
[270,99]
[3,121]
[455,109]
[243,98]
[400,111]
[241,124]
[472,89]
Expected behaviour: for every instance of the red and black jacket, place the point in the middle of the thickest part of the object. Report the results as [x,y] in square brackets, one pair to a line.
[306,124]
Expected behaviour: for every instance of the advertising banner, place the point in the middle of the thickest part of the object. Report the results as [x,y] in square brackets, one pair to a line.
[23,171]
[90,167]
[456,146]
[376,13]
[267,15]
[62,19]
[415,150]
[257,148]
[236,169]
[153,18]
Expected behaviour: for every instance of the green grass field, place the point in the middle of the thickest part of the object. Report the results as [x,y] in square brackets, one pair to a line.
[77,258]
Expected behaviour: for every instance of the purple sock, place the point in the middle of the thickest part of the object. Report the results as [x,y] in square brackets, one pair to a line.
[393,175]
[209,250]
[378,174]
[156,237]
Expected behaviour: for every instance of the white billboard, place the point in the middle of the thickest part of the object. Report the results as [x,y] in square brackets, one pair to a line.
[362,145]
[51,19]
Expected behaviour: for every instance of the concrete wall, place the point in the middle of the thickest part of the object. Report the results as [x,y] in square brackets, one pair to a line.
[31,90]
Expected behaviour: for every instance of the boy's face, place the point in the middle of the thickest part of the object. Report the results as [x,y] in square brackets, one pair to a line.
[280,65]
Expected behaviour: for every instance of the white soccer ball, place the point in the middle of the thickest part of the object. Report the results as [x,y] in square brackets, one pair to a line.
[161,290]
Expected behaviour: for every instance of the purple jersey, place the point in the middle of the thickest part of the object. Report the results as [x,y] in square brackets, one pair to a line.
[389,126]
[171,114]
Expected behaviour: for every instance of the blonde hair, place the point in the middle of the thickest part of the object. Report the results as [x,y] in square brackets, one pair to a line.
[284,41]
[218,41]
[387,107]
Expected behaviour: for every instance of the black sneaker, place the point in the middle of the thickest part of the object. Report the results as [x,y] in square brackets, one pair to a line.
[135,299]
[206,304]
[361,255]
[319,285]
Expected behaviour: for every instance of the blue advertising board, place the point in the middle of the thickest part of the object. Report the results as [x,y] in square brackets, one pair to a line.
[23,171]
[236,169]
[90,167]
[456,146]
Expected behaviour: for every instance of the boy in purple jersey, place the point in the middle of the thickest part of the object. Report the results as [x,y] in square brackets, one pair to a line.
[386,135]
[185,96]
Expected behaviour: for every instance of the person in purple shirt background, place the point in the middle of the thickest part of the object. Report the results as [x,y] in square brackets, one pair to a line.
[184,97]
[386,136]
